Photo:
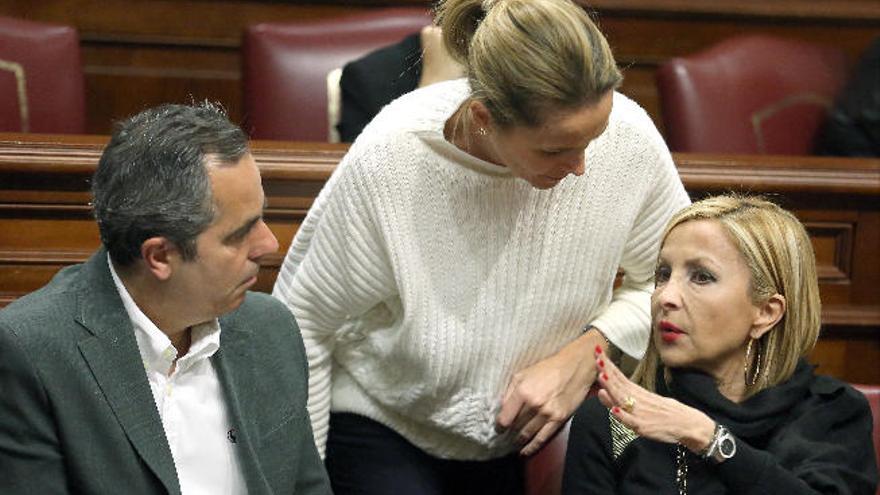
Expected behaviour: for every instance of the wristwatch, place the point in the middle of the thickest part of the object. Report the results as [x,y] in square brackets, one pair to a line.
[722,447]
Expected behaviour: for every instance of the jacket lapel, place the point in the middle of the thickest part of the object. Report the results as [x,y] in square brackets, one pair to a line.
[113,357]
[234,362]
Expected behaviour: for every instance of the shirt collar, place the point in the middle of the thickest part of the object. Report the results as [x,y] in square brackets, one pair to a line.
[157,352]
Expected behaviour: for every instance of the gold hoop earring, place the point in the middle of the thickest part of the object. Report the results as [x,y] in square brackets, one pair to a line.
[748,364]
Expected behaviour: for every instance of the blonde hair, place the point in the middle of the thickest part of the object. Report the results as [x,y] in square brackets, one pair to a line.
[780,258]
[526,57]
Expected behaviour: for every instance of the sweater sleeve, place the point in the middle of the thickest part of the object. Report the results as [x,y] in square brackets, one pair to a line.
[826,451]
[627,320]
[589,465]
[337,268]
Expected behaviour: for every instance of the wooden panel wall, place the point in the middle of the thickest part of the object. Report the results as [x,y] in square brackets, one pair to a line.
[139,53]
[45,221]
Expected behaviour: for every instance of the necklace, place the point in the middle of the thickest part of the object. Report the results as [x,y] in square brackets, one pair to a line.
[681,469]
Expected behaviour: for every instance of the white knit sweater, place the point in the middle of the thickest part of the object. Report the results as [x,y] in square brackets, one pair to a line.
[423,278]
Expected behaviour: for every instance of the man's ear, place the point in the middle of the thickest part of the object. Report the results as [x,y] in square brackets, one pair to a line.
[480,114]
[768,315]
[158,254]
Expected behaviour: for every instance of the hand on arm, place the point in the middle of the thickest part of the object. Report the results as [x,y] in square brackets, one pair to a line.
[651,415]
[540,398]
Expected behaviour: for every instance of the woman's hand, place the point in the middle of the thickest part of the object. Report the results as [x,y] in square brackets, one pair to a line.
[541,398]
[650,415]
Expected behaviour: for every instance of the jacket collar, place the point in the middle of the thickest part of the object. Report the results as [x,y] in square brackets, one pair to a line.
[113,357]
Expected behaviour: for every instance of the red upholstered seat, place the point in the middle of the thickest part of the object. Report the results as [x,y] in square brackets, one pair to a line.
[285,67]
[872,392]
[42,88]
[752,95]
[543,471]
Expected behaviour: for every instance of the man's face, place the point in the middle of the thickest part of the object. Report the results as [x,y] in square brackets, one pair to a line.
[229,251]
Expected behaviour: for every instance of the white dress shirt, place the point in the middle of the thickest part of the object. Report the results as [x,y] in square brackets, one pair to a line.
[190,402]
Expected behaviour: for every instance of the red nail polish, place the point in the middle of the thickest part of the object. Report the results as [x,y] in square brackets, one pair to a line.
[598,349]
[601,363]
[615,410]
[605,376]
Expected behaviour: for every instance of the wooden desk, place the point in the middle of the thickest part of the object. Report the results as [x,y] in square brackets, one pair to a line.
[46,223]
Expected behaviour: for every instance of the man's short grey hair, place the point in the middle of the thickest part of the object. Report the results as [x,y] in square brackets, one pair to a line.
[152,179]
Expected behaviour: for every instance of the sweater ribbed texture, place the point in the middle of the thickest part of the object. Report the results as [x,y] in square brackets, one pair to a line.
[423,278]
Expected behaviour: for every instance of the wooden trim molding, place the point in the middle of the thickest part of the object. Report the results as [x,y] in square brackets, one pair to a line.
[765,174]
[44,187]
[29,153]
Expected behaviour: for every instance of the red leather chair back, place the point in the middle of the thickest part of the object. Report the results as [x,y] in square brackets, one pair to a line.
[285,67]
[872,393]
[42,88]
[752,95]
[543,471]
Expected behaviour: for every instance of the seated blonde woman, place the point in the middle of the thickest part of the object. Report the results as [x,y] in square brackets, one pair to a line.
[724,401]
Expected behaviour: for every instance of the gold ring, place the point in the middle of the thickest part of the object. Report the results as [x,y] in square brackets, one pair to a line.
[628,404]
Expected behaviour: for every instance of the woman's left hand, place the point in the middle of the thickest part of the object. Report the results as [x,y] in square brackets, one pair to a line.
[650,415]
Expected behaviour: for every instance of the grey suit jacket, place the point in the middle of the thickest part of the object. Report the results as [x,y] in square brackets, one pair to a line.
[77,414]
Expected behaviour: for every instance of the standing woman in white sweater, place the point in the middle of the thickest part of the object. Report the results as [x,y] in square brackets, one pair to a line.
[455,275]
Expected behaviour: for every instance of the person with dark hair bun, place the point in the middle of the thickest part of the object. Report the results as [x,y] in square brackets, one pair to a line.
[459,266]
[852,127]
[381,76]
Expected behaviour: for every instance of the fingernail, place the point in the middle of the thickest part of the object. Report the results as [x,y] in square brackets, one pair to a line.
[605,376]
[598,349]
[601,363]
[615,410]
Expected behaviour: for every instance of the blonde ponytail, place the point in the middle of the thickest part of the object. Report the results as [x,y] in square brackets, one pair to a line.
[526,57]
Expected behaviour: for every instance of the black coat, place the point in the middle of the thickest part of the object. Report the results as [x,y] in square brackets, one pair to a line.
[853,125]
[809,435]
[375,80]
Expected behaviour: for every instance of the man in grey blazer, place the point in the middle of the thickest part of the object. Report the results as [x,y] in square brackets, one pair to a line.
[150,368]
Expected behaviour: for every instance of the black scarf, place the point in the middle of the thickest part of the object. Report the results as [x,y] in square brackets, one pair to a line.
[755,417]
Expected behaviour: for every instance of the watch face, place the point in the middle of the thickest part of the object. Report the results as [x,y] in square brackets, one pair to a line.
[727,447]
